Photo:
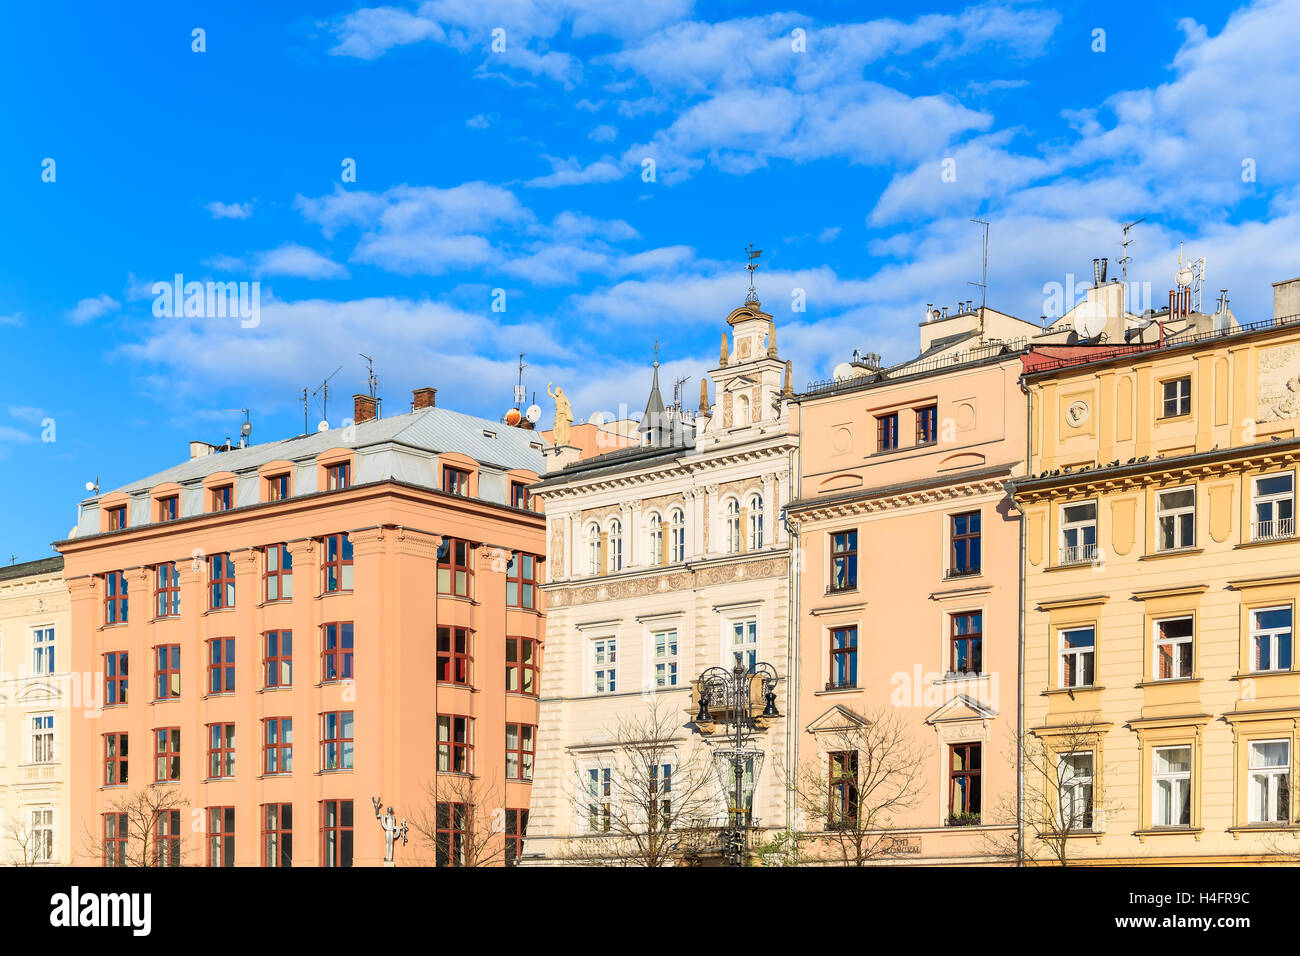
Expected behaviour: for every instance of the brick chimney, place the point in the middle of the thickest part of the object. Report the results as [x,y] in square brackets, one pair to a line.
[424,397]
[364,408]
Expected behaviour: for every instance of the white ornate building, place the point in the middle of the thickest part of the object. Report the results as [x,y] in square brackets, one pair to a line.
[664,560]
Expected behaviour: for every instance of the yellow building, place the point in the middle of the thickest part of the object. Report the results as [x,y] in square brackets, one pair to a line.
[37,701]
[1161,577]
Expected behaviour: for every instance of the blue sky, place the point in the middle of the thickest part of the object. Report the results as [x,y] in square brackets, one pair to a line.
[819,132]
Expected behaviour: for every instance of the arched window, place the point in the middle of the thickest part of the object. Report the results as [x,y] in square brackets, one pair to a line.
[731,517]
[615,545]
[677,535]
[593,550]
[742,412]
[656,540]
[756,523]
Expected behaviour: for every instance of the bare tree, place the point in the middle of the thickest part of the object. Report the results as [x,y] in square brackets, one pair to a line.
[24,842]
[867,773]
[463,822]
[148,829]
[649,799]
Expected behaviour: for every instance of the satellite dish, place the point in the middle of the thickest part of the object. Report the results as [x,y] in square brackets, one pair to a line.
[1091,320]
[597,418]
[246,429]
[843,371]
[324,426]
[534,413]
[73,532]
[1184,277]
[90,486]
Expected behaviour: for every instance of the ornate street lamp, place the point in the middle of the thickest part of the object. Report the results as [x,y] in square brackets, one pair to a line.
[732,692]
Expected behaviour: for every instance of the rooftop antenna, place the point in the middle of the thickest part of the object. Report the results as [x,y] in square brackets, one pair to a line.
[245,429]
[983,284]
[1123,261]
[751,266]
[519,386]
[677,392]
[324,392]
[372,382]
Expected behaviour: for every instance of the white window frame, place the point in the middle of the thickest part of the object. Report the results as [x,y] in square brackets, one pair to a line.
[42,833]
[1272,635]
[1276,782]
[655,532]
[731,525]
[595,777]
[615,545]
[1078,653]
[677,535]
[1175,779]
[754,520]
[604,665]
[1176,514]
[1273,527]
[1174,643]
[1078,552]
[668,661]
[738,625]
[44,647]
[666,769]
[36,733]
[1179,396]
[593,549]
[1071,785]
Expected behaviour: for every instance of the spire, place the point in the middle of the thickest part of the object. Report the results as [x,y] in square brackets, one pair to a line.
[787,391]
[704,396]
[654,421]
[771,338]
[722,359]
[751,266]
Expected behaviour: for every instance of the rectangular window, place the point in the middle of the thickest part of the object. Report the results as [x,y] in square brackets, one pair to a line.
[605,665]
[452,831]
[1079,533]
[455,481]
[844,658]
[221,665]
[844,561]
[336,570]
[117,518]
[167,838]
[966,556]
[1173,649]
[336,652]
[454,656]
[221,582]
[1078,655]
[168,508]
[453,567]
[516,830]
[1177,397]
[43,650]
[221,836]
[277,745]
[117,833]
[665,645]
[167,671]
[1172,786]
[336,741]
[338,477]
[660,796]
[521,581]
[927,425]
[42,834]
[519,751]
[842,811]
[455,744]
[964,784]
[1274,507]
[1270,781]
[744,641]
[114,678]
[887,432]
[336,832]
[167,754]
[221,750]
[277,487]
[1270,639]
[43,738]
[167,590]
[1074,773]
[600,796]
[115,598]
[223,498]
[115,756]
[278,572]
[522,666]
[1176,519]
[967,636]
[520,498]
[277,834]
[277,658]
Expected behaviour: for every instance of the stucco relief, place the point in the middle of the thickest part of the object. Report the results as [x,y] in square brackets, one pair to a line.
[1279,384]
[664,583]
[555,556]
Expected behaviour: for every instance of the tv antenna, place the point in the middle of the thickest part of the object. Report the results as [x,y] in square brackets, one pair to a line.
[751,266]
[245,429]
[677,392]
[519,386]
[983,284]
[323,390]
[1124,258]
[372,382]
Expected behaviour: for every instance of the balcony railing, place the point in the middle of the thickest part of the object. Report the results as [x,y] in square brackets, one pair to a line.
[965,572]
[841,685]
[1078,554]
[1272,529]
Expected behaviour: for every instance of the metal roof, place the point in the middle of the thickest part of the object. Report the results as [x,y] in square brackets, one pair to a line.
[32,568]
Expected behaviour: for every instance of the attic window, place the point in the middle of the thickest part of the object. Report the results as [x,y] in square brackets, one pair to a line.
[487,433]
[535,446]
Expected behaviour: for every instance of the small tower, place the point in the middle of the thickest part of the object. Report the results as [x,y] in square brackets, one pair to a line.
[655,424]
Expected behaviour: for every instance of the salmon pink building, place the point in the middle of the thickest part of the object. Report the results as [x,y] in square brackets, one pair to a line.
[281,634]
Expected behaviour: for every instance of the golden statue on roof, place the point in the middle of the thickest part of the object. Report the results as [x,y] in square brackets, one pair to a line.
[563,415]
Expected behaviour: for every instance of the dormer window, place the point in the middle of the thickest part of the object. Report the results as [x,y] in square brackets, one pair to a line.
[223,498]
[277,487]
[117,518]
[168,508]
[455,481]
[338,477]
[519,497]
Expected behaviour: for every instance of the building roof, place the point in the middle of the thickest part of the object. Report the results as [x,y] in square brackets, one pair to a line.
[32,568]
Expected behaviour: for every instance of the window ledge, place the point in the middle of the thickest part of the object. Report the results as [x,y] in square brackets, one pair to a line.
[1264,828]
[1164,682]
[1171,553]
[217,610]
[1254,675]
[451,683]
[1264,542]
[320,773]
[838,690]
[1168,831]
[955,677]
[1090,689]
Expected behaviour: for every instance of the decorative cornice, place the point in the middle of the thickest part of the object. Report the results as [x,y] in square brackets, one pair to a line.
[867,501]
[684,578]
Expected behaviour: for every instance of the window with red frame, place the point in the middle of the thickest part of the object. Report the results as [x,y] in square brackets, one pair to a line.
[221,836]
[277,572]
[167,838]
[223,498]
[221,582]
[887,432]
[117,832]
[520,740]
[117,518]
[967,642]
[337,742]
[277,834]
[521,665]
[221,665]
[115,598]
[169,508]
[338,477]
[521,581]
[115,754]
[452,826]
[221,751]
[453,567]
[455,744]
[964,783]
[336,570]
[336,651]
[516,830]
[167,590]
[336,833]
[455,481]
[167,754]
[277,745]
[843,809]
[927,425]
[519,496]
[167,671]
[114,678]
[277,487]
[277,655]
[455,655]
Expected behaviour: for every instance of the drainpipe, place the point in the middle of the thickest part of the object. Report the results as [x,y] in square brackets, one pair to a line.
[1020,646]
[792,645]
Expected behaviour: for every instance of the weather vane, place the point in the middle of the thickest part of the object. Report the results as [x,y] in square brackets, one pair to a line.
[751,266]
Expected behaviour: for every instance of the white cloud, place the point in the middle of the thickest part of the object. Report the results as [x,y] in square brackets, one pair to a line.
[291,259]
[603,134]
[27,413]
[87,310]
[14,319]
[571,172]
[234,210]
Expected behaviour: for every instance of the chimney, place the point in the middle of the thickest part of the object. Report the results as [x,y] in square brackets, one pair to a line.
[1102,275]
[364,408]
[200,448]
[423,398]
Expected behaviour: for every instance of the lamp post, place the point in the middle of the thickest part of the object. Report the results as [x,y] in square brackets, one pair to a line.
[732,692]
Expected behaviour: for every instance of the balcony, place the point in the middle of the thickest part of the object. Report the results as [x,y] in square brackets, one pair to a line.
[1077,554]
[1273,529]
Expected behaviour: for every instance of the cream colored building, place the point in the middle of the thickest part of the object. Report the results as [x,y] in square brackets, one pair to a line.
[663,560]
[38,701]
